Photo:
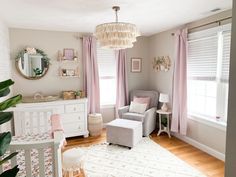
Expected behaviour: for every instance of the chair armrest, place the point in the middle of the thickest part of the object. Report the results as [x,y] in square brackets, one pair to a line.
[149,122]
[150,112]
[122,110]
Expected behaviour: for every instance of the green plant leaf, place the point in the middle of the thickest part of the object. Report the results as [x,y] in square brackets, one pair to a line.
[8,157]
[5,92]
[5,139]
[5,117]
[10,173]
[4,87]
[10,102]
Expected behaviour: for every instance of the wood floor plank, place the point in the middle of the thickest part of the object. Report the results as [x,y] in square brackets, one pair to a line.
[200,160]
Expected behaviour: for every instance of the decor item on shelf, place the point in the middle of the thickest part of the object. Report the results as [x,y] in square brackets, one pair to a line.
[80,94]
[68,95]
[136,65]
[69,72]
[32,63]
[162,63]
[5,138]
[68,54]
[164,98]
[116,35]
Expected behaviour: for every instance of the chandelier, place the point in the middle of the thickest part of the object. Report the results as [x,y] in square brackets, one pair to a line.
[116,35]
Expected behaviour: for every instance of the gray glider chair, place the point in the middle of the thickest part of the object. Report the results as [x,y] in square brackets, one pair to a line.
[149,117]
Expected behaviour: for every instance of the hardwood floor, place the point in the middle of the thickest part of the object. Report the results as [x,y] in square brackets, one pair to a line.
[205,163]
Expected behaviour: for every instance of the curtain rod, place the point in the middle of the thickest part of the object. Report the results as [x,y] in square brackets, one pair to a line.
[206,24]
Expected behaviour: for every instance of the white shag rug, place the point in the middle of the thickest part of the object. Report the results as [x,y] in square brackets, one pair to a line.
[146,159]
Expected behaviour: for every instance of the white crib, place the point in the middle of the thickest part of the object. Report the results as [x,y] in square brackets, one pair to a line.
[32,120]
[39,154]
[37,158]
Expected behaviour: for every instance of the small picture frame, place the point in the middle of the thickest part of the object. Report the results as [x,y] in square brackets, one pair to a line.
[136,65]
[70,72]
[68,54]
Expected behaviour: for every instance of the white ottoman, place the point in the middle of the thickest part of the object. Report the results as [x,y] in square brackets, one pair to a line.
[72,161]
[124,132]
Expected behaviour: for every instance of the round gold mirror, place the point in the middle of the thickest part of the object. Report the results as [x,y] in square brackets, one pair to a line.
[32,63]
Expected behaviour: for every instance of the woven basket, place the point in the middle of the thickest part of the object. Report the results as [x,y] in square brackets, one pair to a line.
[69,95]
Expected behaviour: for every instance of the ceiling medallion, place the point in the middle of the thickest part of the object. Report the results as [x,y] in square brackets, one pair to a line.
[116,35]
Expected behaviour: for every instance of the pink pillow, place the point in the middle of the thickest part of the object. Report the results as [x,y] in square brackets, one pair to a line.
[142,100]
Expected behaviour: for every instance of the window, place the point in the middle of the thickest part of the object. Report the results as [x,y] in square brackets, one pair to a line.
[208,72]
[107,74]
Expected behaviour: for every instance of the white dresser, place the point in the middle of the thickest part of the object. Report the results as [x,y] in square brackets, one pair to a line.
[73,115]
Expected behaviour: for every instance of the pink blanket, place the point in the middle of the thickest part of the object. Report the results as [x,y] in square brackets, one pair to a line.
[56,123]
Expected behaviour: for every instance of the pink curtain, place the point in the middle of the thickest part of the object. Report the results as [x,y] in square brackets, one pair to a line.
[122,97]
[91,77]
[179,111]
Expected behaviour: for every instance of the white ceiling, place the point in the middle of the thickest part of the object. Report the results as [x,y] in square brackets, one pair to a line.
[151,16]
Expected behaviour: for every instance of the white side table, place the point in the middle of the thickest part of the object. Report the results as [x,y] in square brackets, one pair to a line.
[163,128]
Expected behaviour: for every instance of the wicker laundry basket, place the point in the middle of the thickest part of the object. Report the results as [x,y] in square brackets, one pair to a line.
[95,124]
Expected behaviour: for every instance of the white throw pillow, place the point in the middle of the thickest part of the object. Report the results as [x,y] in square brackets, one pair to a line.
[137,107]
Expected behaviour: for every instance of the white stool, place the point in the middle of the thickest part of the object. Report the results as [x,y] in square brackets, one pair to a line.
[95,124]
[72,161]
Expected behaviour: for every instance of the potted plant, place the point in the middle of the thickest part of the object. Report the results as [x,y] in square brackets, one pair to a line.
[5,137]
[78,94]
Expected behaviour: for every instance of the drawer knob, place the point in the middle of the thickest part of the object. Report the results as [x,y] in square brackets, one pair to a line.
[74,108]
[79,117]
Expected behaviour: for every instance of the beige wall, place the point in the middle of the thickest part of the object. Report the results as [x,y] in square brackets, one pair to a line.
[230,169]
[140,50]
[163,44]
[5,66]
[50,42]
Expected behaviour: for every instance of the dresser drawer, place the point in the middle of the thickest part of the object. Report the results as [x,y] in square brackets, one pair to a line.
[72,117]
[70,108]
[58,109]
[73,127]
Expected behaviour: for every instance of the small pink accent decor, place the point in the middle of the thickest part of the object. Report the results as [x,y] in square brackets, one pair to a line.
[56,123]
[142,100]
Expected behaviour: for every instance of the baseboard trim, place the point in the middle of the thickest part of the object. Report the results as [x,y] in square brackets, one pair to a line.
[201,146]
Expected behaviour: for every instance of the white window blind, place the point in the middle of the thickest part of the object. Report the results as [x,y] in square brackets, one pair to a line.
[208,72]
[202,55]
[226,56]
[107,74]
[106,62]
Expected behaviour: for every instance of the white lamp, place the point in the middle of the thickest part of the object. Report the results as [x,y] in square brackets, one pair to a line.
[164,98]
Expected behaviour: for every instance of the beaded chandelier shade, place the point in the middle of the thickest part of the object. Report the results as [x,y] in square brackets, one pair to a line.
[116,35]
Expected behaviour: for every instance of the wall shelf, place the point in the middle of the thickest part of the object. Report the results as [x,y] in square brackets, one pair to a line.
[68,68]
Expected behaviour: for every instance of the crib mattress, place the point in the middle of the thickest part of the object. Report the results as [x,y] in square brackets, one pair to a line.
[48,161]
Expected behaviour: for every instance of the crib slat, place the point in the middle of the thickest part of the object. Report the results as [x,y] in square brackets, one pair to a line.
[13,160]
[31,122]
[54,167]
[23,126]
[41,163]
[45,117]
[28,163]
[38,125]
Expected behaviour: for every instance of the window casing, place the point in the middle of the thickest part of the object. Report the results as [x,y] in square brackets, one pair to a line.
[208,72]
[107,75]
